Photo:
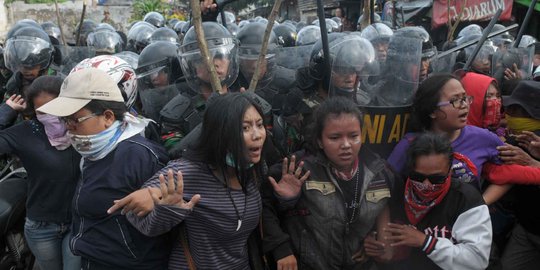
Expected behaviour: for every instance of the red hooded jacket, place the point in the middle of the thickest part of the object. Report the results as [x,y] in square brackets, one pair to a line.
[476,85]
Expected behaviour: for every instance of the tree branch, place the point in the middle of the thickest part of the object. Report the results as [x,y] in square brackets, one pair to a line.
[264,48]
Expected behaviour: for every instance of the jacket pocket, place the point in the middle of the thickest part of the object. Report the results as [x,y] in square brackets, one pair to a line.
[125,237]
[375,195]
[324,187]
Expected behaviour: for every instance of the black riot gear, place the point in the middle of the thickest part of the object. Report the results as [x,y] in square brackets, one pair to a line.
[286,35]
[154,18]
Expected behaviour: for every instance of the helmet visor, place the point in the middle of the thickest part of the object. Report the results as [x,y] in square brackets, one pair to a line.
[27,52]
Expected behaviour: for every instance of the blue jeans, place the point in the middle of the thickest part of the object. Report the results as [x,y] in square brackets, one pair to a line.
[49,242]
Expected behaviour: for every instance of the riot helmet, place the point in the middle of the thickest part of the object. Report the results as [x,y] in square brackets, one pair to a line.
[339,23]
[154,18]
[469,30]
[178,27]
[482,63]
[233,28]
[120,71]
[308,35]
[526,40]
[139,35]
[158,65]
[331,26]
[51,29]
[379,35]
[503,40]
[223,49]
[130,57]
[428,50]
[88,26]
[28,48]
[351,58]
[105,41]
[230,18]
[286,35]
[242,23]
[172,22]
[376,19]
[251,39]
[299,26]
[165,34]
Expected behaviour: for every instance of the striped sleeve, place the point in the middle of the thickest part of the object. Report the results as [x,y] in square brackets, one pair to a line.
[164,217]
[472,235]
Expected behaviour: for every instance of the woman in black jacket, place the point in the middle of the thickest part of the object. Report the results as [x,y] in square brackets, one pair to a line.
[52,164]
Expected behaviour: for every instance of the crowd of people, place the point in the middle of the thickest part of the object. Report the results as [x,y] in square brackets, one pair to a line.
[134,161]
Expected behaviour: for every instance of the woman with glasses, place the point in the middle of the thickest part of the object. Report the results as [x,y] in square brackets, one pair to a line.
[116,160]
[440,222]
[52,165]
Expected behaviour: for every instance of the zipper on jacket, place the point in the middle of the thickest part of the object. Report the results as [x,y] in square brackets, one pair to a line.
[81,225]
[124,238]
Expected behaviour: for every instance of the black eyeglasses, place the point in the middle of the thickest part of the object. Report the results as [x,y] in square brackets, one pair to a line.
[432,178]
[457,102]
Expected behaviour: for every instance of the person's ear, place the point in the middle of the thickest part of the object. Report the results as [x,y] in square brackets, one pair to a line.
[109,118]
[320,144]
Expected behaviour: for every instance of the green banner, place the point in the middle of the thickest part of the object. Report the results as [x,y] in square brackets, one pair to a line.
[527,3]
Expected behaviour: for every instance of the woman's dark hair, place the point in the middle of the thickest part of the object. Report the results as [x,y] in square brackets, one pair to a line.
[222,134]
[42,84]
[428,143]
[100,106]
[332,107]
[425,101]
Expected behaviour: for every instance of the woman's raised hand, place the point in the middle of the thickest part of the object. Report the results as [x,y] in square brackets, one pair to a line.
[292,179]
[170,195]
[142,202]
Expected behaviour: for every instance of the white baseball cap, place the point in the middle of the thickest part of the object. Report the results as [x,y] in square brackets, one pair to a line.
[81,87]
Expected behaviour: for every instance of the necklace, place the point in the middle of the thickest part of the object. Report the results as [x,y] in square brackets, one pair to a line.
[239,218]
[355,204]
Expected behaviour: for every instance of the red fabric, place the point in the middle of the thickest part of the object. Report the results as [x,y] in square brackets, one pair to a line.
[492,116]
[511,174]
[417,205]
[476,10]
[467,161]
[476,85]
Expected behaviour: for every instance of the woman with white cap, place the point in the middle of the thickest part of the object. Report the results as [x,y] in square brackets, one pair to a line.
[116,160]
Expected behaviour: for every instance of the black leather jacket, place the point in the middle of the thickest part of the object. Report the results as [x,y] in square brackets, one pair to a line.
[316,227]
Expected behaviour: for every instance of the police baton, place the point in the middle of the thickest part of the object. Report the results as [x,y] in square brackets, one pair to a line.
[474,41]
[77,42]
[324,39]
[485,34]
[524,23]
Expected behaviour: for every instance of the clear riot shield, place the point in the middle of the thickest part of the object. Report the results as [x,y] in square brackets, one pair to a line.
[522,57]
[399,75]
[352,59]
[483,60]
[70,56]
[153,99]
[386,117]
[293,57]
[444,64]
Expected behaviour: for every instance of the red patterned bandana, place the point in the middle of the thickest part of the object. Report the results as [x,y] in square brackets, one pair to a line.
[420,198]
[492,116]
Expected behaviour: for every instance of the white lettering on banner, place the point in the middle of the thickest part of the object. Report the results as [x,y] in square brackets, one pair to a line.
[479,11]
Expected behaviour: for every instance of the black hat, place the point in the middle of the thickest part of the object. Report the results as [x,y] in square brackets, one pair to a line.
[527,95]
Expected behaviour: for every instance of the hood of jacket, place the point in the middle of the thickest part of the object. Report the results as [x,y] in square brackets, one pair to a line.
[476,85]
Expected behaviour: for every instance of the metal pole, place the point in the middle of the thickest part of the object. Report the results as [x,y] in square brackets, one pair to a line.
[485,34]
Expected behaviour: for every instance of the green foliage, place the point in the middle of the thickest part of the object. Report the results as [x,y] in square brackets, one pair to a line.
[141,7]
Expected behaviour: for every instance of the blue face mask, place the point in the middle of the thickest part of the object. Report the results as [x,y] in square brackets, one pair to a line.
[230,161]
[97,146]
